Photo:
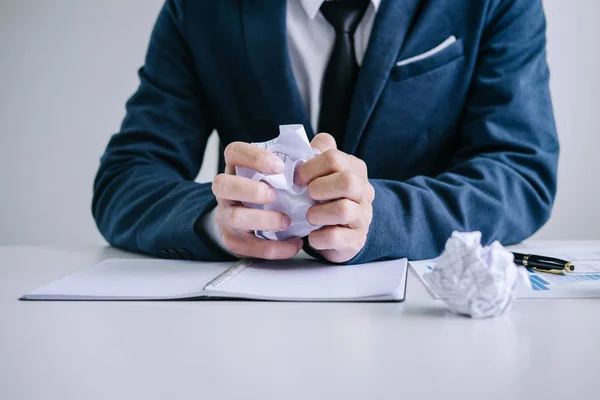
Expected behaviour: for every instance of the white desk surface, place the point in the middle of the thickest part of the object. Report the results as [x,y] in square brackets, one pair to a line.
[542,349]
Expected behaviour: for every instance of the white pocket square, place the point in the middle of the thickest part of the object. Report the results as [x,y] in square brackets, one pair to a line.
[435,50]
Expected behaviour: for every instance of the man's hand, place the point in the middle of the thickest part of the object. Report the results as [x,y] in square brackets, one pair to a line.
[342,178]
[237,222]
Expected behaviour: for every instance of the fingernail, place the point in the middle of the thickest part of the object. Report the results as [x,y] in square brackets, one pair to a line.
[272,194]
[300,244]
[287,221]
[316,151]
[276,165]
[296,177]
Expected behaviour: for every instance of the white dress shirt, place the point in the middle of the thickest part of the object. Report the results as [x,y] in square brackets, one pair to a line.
[310,39]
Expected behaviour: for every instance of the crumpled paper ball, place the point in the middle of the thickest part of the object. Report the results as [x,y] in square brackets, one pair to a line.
[291,146]
[473,280]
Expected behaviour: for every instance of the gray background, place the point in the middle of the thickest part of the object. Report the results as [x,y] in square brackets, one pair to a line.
[68,66]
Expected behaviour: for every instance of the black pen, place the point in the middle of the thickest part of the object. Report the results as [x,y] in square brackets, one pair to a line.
[544,264]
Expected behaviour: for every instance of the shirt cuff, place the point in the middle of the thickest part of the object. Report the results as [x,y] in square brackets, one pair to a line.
[209,223]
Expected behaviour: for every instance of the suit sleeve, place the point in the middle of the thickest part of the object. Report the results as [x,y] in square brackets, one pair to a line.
[502,180]
[145,198]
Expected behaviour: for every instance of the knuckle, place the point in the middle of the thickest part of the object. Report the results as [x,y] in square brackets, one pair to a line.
[317,240]
[236,217]
[333,238]
[232,151]
[371,193]
[219,185]
[362,166]
[325,138]
[269,251]
[334,159]
[348,182]
[343,210]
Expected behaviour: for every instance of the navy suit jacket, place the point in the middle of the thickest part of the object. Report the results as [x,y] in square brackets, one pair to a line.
[463,140]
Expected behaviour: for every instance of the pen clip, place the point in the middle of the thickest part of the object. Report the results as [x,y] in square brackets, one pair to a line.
[550,271]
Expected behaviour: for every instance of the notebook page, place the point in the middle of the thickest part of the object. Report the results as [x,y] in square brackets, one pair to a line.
[133,279]
[298,279]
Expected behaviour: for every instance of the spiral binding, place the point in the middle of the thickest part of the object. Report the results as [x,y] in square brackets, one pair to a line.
[228,274]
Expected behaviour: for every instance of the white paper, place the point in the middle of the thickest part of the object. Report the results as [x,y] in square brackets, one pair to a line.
[473,280]
[583,283]
[285,280]
[133,279]
[291,146]
[298,279]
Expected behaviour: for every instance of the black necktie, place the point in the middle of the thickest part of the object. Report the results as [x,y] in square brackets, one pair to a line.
[342,70]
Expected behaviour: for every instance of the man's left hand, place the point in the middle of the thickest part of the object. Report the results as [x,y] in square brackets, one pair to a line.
[341,180]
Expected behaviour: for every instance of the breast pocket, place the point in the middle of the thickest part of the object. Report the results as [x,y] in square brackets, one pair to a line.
[444,54]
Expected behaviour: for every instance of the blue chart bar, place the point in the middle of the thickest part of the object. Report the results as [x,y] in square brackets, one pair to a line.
[534,285]
[540,280]
[538,283]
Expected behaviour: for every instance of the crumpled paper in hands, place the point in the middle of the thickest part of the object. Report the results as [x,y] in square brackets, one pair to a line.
[293,147]
[473,280]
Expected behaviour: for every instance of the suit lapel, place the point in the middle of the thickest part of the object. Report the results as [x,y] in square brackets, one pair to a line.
[264,25]
[391,26]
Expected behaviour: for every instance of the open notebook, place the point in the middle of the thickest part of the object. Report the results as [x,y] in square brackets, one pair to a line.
[290,280]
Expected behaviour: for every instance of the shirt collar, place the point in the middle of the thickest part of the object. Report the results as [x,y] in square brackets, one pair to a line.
[311,7]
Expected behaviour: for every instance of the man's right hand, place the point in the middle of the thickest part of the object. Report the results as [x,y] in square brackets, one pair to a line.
[236,222]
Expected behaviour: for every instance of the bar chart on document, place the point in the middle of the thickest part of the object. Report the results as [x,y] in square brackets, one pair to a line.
[586,279]
[583,283]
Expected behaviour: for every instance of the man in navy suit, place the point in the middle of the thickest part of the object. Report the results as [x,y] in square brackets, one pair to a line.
[437,116]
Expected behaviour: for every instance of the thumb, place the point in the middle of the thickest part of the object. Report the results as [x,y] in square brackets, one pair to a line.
[323,142]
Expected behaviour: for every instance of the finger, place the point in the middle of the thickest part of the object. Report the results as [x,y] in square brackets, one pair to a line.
[324,164]
[238,188]
[249,219]
[336,238]
[339,185]
[339,256]
[330,162]
[340,212]
[247,155]
[248,245]
[225,203]
[323,142]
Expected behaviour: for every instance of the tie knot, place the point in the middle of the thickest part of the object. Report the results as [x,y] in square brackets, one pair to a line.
[344,15]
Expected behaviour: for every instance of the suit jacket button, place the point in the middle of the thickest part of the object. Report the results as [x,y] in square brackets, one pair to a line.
[174,255]
[185,254]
